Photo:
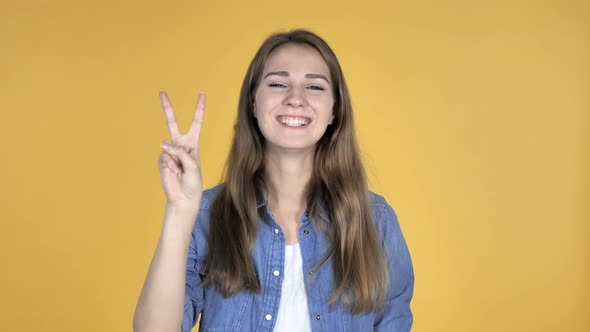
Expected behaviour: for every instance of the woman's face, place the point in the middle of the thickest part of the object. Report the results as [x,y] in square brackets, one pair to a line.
[294,101]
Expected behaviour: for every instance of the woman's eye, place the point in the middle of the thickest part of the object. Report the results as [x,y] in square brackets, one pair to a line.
[276,85]
[316,87]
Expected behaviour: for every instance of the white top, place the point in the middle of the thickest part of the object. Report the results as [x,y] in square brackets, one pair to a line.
[293,315]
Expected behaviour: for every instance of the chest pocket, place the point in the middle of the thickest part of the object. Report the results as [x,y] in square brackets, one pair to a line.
[221,314]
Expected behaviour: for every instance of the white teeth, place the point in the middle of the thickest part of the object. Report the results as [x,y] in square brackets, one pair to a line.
[294,122]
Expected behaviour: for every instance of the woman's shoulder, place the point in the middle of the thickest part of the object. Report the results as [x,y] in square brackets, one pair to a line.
[201,226]
[384,216]
[208,196]
[378,202]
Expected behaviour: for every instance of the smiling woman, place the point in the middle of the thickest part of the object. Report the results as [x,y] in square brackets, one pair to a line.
[292,240]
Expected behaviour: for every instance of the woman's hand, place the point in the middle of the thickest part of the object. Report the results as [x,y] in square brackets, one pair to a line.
[179,163]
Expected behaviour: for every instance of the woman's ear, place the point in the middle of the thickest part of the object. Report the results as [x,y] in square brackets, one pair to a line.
[254,109]
[331,119]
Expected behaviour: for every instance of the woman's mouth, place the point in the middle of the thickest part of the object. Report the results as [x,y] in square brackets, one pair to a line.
[293,121]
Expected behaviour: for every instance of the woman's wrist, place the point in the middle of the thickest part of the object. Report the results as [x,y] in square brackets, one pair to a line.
[182,213]
[184,206]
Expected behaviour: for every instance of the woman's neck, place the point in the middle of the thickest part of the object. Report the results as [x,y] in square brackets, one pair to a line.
[287,175]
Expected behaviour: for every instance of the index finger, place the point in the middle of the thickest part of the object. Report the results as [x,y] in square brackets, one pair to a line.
[170,118]
[195,128]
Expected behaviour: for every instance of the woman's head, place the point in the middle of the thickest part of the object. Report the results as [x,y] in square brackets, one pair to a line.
[293,104]
[297,53]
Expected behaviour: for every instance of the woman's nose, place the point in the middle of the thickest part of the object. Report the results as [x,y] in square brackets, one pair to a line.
[295,97]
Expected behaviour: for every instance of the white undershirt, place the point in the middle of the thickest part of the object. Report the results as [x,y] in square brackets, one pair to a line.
[293,314]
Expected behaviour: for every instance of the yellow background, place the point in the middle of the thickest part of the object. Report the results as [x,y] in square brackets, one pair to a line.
[473,118]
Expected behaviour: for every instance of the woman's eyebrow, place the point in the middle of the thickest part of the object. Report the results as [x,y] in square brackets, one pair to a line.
[286,74]
[278,73]
[311,75]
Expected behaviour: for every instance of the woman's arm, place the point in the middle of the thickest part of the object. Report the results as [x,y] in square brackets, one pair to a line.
[396,314]
[161,303]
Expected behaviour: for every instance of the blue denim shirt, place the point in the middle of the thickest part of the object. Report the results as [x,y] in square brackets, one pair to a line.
[257,312]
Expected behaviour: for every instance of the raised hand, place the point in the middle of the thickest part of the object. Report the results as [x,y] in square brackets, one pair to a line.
[179,163]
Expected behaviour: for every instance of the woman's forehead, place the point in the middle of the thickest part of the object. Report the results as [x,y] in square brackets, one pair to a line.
[296,57]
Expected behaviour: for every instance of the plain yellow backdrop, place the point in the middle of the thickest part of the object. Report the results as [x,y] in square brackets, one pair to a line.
[473,119]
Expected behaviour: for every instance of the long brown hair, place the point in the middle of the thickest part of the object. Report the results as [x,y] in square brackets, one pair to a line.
[338,180]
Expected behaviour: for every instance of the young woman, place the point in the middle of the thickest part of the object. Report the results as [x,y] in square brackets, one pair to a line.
[292,240]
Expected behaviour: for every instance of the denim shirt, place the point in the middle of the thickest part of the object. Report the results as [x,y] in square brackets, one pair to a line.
[247,311]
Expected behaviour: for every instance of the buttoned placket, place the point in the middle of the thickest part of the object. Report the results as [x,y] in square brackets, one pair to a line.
[274,274]
[307,244]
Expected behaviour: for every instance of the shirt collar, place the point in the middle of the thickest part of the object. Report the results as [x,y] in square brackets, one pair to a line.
[323,211]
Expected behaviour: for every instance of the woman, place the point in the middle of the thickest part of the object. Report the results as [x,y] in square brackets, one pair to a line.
[292,240]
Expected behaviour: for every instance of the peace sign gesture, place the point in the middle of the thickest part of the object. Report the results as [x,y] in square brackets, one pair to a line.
[179,163]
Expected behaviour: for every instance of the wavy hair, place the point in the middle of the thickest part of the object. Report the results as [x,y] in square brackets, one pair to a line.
[338,181]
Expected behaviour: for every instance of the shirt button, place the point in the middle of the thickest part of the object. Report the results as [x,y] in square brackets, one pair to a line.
[318,317]
[276,273]
[305,231]
[268,317]
[276,231]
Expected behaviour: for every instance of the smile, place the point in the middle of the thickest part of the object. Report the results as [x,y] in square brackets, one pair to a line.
[293,121]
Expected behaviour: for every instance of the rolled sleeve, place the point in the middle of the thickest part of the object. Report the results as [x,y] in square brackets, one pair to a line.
[194,293]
